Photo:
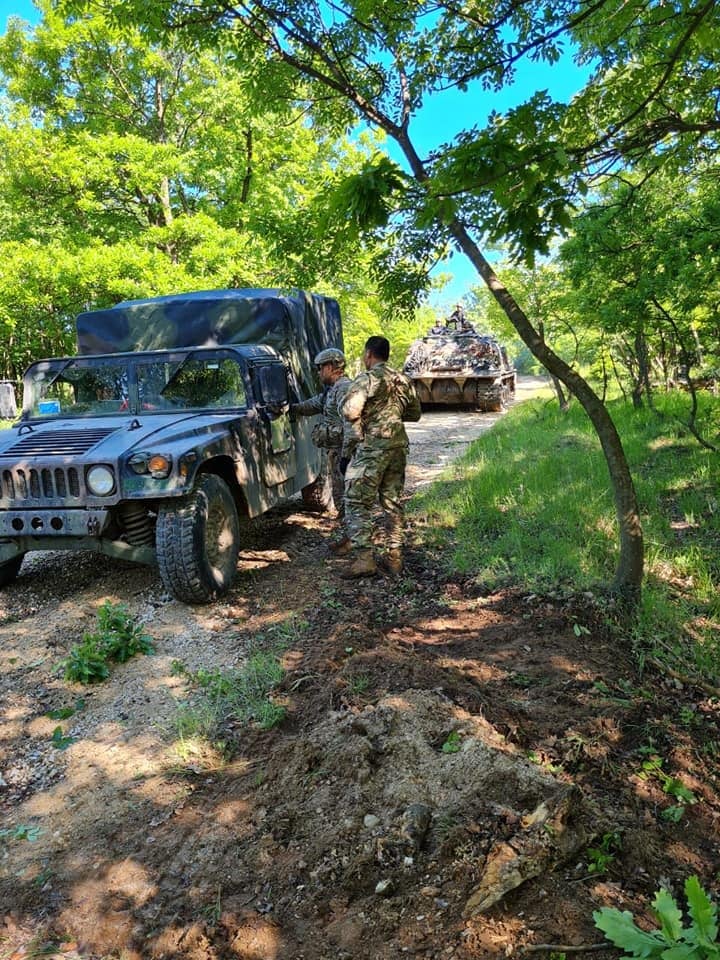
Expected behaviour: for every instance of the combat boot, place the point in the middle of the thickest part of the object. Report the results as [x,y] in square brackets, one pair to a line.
[362,566]
[340,547]
[394,561]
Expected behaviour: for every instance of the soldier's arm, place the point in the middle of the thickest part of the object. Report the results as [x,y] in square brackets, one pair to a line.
[413,410]
[348,441]
[352,409]
[308,408]
[356,398]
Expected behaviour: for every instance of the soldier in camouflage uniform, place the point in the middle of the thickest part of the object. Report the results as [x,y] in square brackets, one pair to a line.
[375,406]
[332,433]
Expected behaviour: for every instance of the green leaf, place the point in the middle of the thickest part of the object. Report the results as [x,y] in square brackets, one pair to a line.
[60,714]
[703,912]
[452,744]
[678,790]
[669,915]
[59,740]
[620,929]
[683,951]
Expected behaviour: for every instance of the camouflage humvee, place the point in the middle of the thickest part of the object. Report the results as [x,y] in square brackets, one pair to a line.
[170,425]
[453,364]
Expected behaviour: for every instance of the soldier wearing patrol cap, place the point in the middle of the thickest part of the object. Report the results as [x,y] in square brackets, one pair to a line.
[377,404]
[332,432]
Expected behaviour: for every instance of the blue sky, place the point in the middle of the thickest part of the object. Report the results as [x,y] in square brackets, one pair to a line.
[442,116]
[20,8]
[446,114]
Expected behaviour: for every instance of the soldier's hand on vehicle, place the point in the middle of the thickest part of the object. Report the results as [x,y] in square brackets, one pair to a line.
[276,409]
[343,464]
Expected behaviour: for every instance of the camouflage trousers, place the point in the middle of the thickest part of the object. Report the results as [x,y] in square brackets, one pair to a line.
[377,472]
[337,481]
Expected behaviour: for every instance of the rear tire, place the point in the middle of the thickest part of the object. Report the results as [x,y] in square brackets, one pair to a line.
[318,494]
[198,539]
[10,569]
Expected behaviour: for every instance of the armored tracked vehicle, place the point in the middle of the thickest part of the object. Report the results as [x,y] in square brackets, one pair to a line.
[455,365]
[170,426]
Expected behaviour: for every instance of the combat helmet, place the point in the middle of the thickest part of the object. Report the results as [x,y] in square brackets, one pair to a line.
[330,355]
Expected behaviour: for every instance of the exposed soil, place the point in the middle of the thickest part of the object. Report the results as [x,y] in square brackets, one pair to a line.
[447,759]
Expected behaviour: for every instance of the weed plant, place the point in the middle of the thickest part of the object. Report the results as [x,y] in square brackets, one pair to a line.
[671,939]
[224,699]
[530,505]
[116,639]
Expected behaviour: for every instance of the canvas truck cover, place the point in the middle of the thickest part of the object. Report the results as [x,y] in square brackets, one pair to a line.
[298,325]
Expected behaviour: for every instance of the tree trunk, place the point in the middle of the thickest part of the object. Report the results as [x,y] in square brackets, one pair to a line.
[563,400]
[641,352]
[628,574]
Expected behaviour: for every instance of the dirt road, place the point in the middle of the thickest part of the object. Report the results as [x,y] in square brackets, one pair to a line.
[441,436]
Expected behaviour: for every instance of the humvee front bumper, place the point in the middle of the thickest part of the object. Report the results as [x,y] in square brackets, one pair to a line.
[53,523]
[22,531]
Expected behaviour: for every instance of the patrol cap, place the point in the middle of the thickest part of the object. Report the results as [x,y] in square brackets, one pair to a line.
[330,355]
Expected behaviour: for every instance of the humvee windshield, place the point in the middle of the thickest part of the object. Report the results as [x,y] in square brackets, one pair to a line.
[94,386]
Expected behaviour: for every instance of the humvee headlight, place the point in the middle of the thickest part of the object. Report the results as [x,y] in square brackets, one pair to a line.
[138,463]
[157,464]
[100,481]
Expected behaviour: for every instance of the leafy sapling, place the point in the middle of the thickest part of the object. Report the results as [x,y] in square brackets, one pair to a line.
[672,940]
[601,857]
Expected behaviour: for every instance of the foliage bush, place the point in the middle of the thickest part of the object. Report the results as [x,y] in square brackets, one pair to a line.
[116,640]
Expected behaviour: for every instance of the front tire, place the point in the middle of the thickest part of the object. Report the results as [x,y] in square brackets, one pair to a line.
[197,540]
[10,569]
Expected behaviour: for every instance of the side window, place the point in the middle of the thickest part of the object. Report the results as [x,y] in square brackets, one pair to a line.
[272,380]
[198,382]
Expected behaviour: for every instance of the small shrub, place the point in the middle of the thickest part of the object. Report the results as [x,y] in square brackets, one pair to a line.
[118,635]
[601,857]
[652,768]
[116,639]
[671,940]
[86,663]
[452,743]
[59,740]
[358,684]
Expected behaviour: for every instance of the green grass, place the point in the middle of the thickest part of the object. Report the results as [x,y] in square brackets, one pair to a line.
[222,702]
[530,505]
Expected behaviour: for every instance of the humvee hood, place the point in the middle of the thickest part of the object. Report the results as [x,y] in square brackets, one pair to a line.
[105,437]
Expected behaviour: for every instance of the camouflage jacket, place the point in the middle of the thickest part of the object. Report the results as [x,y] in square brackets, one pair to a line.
[333,431]
[376,404]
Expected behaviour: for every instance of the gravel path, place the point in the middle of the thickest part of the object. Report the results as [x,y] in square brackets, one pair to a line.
[443,435]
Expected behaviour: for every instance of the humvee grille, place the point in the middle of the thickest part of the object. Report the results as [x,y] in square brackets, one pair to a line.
[28,484]
[62,443]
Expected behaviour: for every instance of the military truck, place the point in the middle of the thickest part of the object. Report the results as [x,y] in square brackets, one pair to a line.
[454,364]
[169,428]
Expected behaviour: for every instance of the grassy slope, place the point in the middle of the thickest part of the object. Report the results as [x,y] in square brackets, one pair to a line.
[530,506]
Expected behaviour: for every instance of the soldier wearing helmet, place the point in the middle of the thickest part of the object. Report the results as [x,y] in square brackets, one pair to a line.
[331,433]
